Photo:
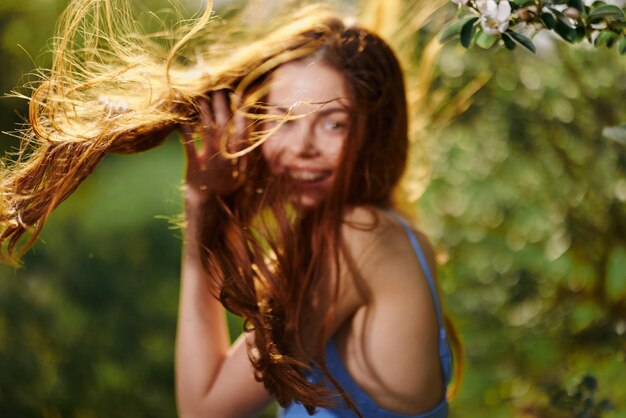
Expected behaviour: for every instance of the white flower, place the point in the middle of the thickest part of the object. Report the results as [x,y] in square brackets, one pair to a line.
[481,5]
[463,2]
[494,17]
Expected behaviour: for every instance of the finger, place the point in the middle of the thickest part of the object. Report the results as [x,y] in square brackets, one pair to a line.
[220,107]
[208,127]
[221,112]
[241,127]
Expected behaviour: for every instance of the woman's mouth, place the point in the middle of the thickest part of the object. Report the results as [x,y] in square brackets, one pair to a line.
[308,178]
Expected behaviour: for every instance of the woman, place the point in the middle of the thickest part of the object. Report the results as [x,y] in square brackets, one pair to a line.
[336,159]
[288,207]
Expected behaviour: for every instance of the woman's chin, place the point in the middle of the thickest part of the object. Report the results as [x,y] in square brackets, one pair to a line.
[307,201]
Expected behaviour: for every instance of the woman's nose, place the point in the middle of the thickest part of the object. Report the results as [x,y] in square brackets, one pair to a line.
[305,142]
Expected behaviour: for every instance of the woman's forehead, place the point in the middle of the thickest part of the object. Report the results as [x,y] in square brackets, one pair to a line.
[304,85]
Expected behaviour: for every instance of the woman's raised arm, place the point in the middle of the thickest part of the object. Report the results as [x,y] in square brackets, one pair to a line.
[213,379]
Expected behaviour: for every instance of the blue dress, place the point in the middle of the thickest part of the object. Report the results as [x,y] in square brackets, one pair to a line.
[366,405]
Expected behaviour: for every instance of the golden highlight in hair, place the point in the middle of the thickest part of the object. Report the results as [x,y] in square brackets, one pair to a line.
[114,89]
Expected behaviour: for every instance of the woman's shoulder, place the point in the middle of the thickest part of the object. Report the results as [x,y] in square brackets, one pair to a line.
[374,236]
[384,263]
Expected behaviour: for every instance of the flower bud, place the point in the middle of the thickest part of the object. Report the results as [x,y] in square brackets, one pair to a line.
[524,14]
[572,13]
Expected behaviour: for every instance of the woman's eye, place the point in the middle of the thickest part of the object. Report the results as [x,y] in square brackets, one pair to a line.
[334,125]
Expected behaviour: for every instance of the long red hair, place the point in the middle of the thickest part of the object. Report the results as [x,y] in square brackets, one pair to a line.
[267,261]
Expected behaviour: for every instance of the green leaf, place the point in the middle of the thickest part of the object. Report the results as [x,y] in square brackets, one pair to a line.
[484,40]
[527,43]
[616,133]
[548,20]
[454,29]
[565,31]
[562,18]
[581,32]
[466,32]
[606,12]
[618,25]
[606,37]
[577,4]
[508,42]
[622,46]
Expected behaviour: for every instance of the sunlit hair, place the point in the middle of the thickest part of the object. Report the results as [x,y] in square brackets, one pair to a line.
[112,90]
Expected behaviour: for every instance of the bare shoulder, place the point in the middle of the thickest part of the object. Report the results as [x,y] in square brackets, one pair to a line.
[374,236]
[398,319]
[383,257]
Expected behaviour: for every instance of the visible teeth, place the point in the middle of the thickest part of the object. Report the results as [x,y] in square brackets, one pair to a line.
[306,175]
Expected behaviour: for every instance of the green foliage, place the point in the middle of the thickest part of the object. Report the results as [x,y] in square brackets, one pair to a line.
[467,31]
[522,40]
[581,401]
[91,319]
[526,201]
[454,29]
[600,23]
[616,269]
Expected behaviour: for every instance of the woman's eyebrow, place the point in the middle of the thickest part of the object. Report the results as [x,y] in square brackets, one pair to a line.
[326,112]
[322,110]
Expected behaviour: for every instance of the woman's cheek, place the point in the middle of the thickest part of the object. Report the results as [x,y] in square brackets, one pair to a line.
[334,150]
[271,151]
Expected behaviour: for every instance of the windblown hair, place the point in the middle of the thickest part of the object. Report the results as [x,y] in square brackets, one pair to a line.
[112,90]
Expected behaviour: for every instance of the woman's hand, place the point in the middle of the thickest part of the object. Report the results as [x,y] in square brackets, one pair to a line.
[208,172]
[213,379]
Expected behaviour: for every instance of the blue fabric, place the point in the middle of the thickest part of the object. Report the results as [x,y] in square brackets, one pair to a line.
[366,405]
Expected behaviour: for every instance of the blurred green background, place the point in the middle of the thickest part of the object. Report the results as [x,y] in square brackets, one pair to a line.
[524,199]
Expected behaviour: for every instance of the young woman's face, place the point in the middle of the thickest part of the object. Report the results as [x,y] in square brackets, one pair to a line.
[307,149]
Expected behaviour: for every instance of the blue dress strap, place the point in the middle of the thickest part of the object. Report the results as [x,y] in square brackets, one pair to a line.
[363,401]
[444,348]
